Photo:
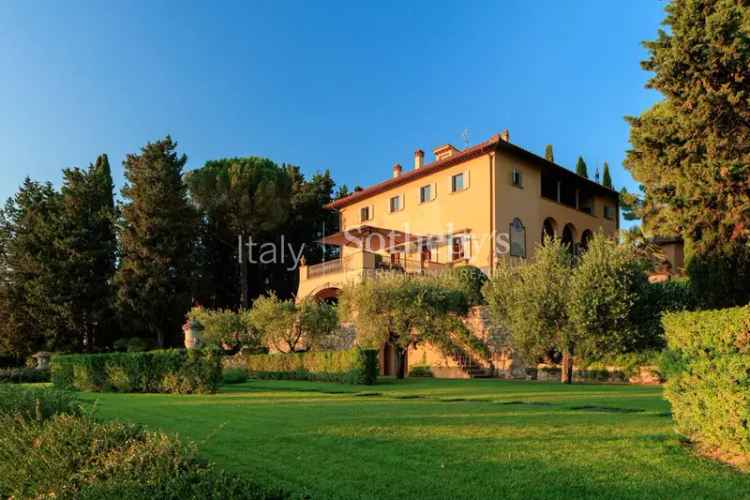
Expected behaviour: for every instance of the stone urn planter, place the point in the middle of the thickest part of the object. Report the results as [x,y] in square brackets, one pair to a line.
[42,360]
[192,330]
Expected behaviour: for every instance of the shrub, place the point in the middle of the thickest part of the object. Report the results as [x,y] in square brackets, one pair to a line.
[38,403]
[470,280]
[355,366]
[75,457]
[132,344]
[235,375]
[709,379]
[224,327]
[23,375]
[177,371]
[420,371]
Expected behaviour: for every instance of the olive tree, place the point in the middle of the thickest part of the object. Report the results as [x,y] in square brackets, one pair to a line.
[608,299]
[224,328]
[289,327]
[404,310]
[531,300]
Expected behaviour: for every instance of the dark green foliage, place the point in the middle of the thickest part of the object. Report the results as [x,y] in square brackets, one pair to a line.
[33,313]
[256,198]
[549,155]
[158,226]
[471,280]
[691,151]
[420,371]
[36,403]
[607,177]
[710,353]
[581,168]
[174,371]
[720,277]
[132,344]
[241,197]
[88,244]
[356,366]
[234,376]
[57,262]
[72,457]
[23,375]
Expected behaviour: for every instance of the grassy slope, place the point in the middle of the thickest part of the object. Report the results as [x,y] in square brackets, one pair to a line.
[441,439]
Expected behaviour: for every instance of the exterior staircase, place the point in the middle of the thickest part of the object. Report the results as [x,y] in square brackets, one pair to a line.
[469,365]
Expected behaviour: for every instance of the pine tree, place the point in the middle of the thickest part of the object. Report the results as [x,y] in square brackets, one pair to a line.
[247,199]
[88,245]
[581,168]
[549,155]
[158,230]
[606,177]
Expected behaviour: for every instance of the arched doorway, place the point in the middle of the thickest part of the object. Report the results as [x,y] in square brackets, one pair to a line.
[549,229]
[569,236]
[586,239]
[329,295]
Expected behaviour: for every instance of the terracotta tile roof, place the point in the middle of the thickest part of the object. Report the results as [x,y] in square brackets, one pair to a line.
[492,144]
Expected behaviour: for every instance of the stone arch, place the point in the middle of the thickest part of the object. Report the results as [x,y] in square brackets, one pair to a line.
[329,294]
[586,237]
[549,228]
[569,236]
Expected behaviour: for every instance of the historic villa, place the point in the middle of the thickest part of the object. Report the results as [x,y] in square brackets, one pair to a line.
[490,201]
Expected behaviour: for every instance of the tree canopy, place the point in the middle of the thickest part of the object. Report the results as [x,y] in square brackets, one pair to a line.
[406,310]
[549,154]
[157,235]
[607,177]
[691,151]
[581,168]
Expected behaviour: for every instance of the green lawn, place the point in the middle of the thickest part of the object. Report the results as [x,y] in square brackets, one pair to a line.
[441,439]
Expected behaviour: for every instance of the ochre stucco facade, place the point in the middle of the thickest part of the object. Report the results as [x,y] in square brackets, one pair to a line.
[456,211]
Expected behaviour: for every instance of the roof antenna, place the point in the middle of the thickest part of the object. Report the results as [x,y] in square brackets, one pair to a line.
[465,137]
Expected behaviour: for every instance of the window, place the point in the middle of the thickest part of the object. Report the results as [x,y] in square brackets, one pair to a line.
[609,212]
[425,193]
[517,239]
[457,183]
[549,187]
[396,259]
[425,254]
[460,247]
[395,203]
[364,214]
[516,178]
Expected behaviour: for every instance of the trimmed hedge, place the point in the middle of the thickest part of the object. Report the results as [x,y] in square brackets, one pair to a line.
[176,371]
[23,375]
[355,366]
[709,378]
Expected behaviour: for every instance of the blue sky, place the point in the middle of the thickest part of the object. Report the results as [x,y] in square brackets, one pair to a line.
[345,86]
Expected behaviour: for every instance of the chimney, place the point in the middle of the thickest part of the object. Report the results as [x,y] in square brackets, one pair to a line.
[505,135]
[418,159]
[396,170]
[444,152]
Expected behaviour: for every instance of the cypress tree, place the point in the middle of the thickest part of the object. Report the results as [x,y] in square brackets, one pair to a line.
[158,228]
[88,245]
[606,177]
[581,168]
[549,155]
